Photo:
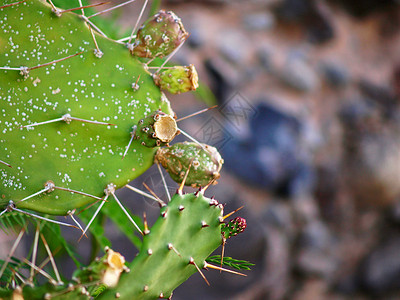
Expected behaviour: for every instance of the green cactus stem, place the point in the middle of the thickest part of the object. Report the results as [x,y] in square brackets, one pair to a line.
[205,160]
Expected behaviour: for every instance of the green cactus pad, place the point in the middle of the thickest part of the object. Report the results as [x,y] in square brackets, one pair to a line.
[159,36]
[79,156]
[206,163]
[178,79]
[189,227]
[187,231]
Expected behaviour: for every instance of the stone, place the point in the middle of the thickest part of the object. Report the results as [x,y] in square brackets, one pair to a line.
[298,74]
[259,21]
[313,16]
[195,39]
[363,8]
[264,55]
[316,250]
[335,74]
[232,46]
[380,270]
[272,155]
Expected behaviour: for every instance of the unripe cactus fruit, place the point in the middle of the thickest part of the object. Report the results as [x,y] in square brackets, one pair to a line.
[159,36]
[178,79]
[158,129]
[205,161]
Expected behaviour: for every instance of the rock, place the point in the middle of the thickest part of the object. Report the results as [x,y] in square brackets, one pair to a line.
[223,77]
[316,236]
[316,254]
[363,8]
[319,26]
[273,155]
[396,81]
[279,215]
[380,271]
[380,95]
[232,46]
[294,10]
[195,39]
[371,157]
[259,21]
[335,74]
[298,74]
[314,16]
[264,55]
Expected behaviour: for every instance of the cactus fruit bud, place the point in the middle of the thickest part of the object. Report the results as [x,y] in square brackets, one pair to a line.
[158,129]
[234,227]
[159,36]
[206,163]
[178,79]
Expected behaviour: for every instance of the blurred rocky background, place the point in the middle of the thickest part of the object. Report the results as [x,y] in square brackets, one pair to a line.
[308,123]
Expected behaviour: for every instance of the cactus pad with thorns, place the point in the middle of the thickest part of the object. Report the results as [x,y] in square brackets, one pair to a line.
[185,234]
[68,121]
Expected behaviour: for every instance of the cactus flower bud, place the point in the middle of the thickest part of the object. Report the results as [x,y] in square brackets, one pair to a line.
[159,36]
[234,227]
[206,163]
[178,79]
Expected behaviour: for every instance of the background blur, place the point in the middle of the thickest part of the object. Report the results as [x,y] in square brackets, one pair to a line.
[309,126]
[308,123]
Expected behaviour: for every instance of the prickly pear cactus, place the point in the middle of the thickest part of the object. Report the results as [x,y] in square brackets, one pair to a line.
[83,86]
[81,115]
